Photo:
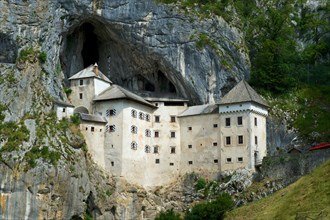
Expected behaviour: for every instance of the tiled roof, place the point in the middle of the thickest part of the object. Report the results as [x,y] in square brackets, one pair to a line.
[62,103]
[117,92]
[199,110]
[90,72]
[94,118]
[242,92]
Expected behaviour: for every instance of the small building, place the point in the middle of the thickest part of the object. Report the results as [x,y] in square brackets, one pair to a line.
[62,109]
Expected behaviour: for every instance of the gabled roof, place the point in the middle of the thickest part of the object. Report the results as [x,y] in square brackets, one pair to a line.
[93,118]
[199,110]
[62,103]
[89,72]
[242,92]
[117,92]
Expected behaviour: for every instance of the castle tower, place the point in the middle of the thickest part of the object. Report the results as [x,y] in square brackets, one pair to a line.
[243,128]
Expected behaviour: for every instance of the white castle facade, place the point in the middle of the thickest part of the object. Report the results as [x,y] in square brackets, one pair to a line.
[151,141]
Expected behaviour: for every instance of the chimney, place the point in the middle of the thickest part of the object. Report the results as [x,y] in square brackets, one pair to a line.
[96,69]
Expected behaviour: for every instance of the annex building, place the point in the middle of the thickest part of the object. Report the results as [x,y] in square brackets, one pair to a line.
[151,141]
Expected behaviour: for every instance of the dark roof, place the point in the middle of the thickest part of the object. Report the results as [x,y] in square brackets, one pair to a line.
[199,110]
[62,103]
[93,118]
[90,72]
[320,146]
[116,92]
[242,92]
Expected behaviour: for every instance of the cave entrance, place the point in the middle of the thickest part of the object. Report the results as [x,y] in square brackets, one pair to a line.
[89,52]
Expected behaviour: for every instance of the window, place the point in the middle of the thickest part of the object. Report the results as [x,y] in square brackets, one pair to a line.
[148,133]
[156,134]
[190,162]
[227,122]
[172,118]
[134,145]
[157,161]
[147,117]
[110,112]
[92,129]
[255,140]
[156,104]
[228,141]
[133,129]
[228,160]
[172,150]
[189,128]
[81,82]
[141,115]
[80,96]
[112,163]
[171,164]
[86,128]
[255,122]
[190,146]
[240,159]
[134,113]
[215,161]
[172,134]
[112,128]
[240,139]
[215,125]
[215,144]
[156,149]
[101,130]
[240,120]
[157,118]
[63,110]
[147,149]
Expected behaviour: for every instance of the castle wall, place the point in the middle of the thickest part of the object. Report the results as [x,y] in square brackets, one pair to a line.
[258,137]
[200,146]
[82,95]
[63,112]
[100,86]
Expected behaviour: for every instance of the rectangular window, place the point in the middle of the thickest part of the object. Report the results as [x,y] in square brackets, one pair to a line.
[80,96]
[112,163]
[190,146]
[156,134]
[215,161]
[172,118]
[172,134]
[255,122]
[157,118]
[255,140]
[228,160]
[190,162]
[63,110]
[240,159]
[240,120]
[157,161]
[215,125]
[240,139]
[141,115]
[215,144]
[147,117]
[112,128]
[92,129]
[228,141]
[81,82]
[171,164]
[189,128]
[172,150]
[156,149]
[227,122]
[112,112]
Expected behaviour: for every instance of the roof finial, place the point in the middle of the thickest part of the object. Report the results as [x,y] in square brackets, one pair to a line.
[96,69]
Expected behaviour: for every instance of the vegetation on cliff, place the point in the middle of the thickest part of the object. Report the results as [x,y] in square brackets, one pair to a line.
[309,197]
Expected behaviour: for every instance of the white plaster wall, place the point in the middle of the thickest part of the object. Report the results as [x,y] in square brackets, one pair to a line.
[100,86]
[260,132]
[201,137]
[60,114]
[94,141]
[242,107]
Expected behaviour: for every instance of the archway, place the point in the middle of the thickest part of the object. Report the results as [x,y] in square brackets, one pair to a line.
[81,109]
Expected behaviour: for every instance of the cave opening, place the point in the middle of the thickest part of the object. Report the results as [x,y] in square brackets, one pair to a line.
[89,52]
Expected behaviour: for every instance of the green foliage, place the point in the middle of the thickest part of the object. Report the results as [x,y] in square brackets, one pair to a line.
[42,57]
[87,216]
[75,119]
[44,153]
[214,210]
[168,215]
[201,183]
[67,90]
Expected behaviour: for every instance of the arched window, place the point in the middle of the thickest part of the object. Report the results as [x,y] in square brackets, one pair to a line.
[147,149]
[134,145]
[133,129]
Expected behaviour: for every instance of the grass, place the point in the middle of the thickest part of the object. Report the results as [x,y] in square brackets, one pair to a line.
[306,198]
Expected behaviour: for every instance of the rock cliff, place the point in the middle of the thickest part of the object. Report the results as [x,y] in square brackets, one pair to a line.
[142,45]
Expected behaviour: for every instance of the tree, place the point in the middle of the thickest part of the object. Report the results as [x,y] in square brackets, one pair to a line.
[168,215]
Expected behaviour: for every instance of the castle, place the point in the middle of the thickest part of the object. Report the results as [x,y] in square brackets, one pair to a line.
[151,141]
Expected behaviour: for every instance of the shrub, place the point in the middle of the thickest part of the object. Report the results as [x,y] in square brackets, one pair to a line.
[214,210]
[168,215]
[75,119]
[42,57]
[201,183]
